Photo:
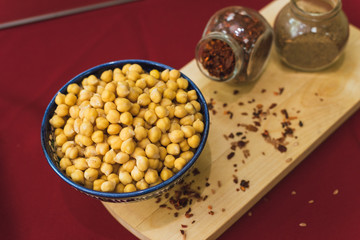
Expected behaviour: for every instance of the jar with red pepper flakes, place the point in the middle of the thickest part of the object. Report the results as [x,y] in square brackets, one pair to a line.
[235,45]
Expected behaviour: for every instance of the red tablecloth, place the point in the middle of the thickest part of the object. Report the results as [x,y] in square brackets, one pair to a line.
[37,59]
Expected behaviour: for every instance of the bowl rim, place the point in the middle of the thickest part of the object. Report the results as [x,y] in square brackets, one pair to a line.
[138,193]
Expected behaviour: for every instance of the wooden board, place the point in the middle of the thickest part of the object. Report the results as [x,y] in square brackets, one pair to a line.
[322,101]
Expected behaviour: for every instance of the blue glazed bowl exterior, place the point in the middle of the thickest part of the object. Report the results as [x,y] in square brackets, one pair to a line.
[53,160]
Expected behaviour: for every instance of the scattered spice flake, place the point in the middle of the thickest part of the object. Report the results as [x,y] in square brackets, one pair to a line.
[259,106]
[336,192]
[224,104]
[311,201]
[263,90]
[211,212]
[223,209]
[215,92]
[163,205]
[272,105]
[167,195]
[288,160]
[249,214]
[244,185]
[302,224]
[193,221]
[158,200]
[184,225]
[301,124]
[240,103]
[230,155]
[284,111]
[235,92]
[239,134]
[207,184]
[176,214]
[281,90]
[246,153]
[205,197]
[219,184]
[182,232]
[293,193]
[244,113]
[231,114]
[195,171]
[231,135]
[210,207]
[213,191]
[235,179]
[281,148]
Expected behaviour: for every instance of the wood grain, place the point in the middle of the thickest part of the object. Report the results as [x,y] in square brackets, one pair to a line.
[322,101]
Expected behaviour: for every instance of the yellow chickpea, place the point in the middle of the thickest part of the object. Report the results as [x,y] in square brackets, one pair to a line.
[150,81]
[155,73]
[163,124]
[137,121]
[80,163]
[180,111]
[136,174]
[166,174]
[143,143]
[121,157]
[97,184]
[142,184]
[150,116]
[128,166]
[141,83]
[196,105]
[182,83]
[173,149]
[190,109]
[74,111]
[109,106]
[194,141]
[140,133]
[62,110]
[57,121]
[135,109]
[96,101]
[86,128]
[169,161]
[184,146]
[70,99]
[69,170]
[114,178]
[198,115]
[192,95]
[151,176]
[109,156]
[165,75]
[107,96]
[179,163]
[66,145]
[90,151]
[108,186]
[126,118]
[119,188]
[161,111]
[84,95]
[174,126]
[93,162]
[144,99]
[78,176]
[198,125]
[116,143]
[90,114]
[113,116]
[171,84]
[102,148]
[114,129]
[174,74]
[165,140]
[142,163]
[133,75]
[154,134]
[58,131]
[128,146]
[187,120]
[64,163]
[60,98]
[123,89]
[154,163]
[106,168]
[152,151]
[156,95]
[181,96]
[176,136]
[130,188]
[126,133]
[92,80]
[169,94]
[91,174]
[72,152]
[106,76]
[60,139]
[125,177]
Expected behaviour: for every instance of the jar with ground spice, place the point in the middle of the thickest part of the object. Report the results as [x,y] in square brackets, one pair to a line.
[310,35]
[235,45]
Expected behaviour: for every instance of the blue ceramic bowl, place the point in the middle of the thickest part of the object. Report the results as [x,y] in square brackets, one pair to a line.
[48,144]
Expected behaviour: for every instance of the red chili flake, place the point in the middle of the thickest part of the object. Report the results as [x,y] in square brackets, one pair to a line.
[281,148]
[211,212]
[301,123]
[244,113]
[241,103]
[257,123]
[189,215]
[158,200]
[235,165]
[246,153]
[207,184]
[193,222]
[184,225]
[239,133]
[231,135]
[231,114]
[236,92]
[182,232]
[163,205]
[283,111]
[219,184]
[235,179]
[244,183]
[224,104]
[263,90]
[259,106]
[176,214]
[167,195]
[230,155]
[223,209]
[209,207]
[213,191]
[195,171]
[205,197]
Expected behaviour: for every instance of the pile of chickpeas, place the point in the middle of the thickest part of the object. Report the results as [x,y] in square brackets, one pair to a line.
[126,130]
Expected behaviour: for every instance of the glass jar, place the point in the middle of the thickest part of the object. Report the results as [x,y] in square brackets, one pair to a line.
[235,45]
[310,35]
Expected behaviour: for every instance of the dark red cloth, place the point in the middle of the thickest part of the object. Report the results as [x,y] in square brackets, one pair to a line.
[37,59]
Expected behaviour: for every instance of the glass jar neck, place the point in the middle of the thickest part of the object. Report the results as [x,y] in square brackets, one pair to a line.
[316,10]
[231,42]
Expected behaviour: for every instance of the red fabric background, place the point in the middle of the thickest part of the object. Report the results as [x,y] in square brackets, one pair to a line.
[37,59]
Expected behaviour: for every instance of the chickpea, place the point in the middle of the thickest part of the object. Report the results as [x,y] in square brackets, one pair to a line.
[136,174]
[176,136]
[156,95]
[123,89]
[57,121]
[121,157]
[174,126]
[154,163]
[93,162]
[174,74]
[125,177]
[151,176]
[165,75]
[180,111]
[179,163]
[134,94]
[140,133]
[128,146]
[171,110]
[108,186]
[102,148]
[70,99]
[128,166]
[161,111]
[91,174]
[109,156]
[86,128]
[90,151]
[173,149]
[137,121]
[64,163]
[58,131]
[141,83]
[190,109]
[155,73]
[143,143]
[106,76]
[171,84]
[187,120]
[113,116]
[196,105]
[62,110]
[119,188]
[188,131]
[72,152]
[169,161]
[69,170]
[182,83]
[126,133]
[150,116]
[66,145]
[97,184]
[80,163]
[126,118]
[152,106]
[163,124]
[198,125]
[74,111]
[78,176]
[184,146]
[130,188]
[152,151]
[144,99]
[114,178]
[166,174]
[60,139]
[165,140]
[181,96]
[92,80]
[198,115]
[60,98]
[192,95]
[138,152]
[194,141]
[69,131]
[107,96]
[106,168]
[90,114]
[154,134]
[142,184]
[114,129]
[83,140]
[135,109]
[96,101]
[142,163]
[150,81]
[109,106]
